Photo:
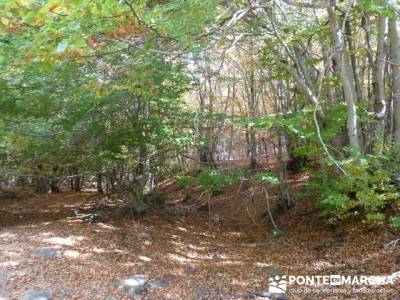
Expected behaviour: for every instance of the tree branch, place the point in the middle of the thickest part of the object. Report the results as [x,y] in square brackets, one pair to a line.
[306,4]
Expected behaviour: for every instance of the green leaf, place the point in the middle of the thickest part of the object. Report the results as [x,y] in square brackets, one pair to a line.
[266,177]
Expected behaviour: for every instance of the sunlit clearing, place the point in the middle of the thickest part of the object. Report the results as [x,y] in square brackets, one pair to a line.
[193,247]
[69,241]
[49,210]
[106,226]
[131,281]
[98,250]
[12,253]
[72,254]
[144,258]
[119,251]
[231,263]
[11,263]
[196,255]
[236,233]
[7,236]
[321,265]
[207,234]
[179,259]
[46,234]
[178,244]
[260,264]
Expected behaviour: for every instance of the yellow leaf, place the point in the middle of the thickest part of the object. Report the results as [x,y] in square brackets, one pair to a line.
[5,21]
[53,9]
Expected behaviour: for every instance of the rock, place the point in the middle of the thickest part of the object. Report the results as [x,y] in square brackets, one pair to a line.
[3,278]
[202,293]
[47,252]
[36,295]
[134,284]
[207,292]
[3,295]
[190,271]
[110,297]
[158,284]
[92,218]
[143,235]
[67,291]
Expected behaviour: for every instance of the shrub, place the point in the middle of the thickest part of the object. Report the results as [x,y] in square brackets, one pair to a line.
[367,189]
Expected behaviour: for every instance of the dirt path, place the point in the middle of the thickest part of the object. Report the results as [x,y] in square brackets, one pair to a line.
[45,247]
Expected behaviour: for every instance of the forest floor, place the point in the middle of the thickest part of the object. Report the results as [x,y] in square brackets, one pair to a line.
[185,251]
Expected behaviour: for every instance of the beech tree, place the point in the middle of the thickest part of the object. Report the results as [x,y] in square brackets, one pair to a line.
[124,93]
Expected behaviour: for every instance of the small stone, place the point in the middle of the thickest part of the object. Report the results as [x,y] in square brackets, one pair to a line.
[3,279]
[3,295]
[67,290]
[110,297]
[36,295]
[134,284]
[158,284]
[202,292]
[47,252]
[190,271]
[143,235]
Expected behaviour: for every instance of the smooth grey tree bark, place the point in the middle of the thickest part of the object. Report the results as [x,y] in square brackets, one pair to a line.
[346,78]
[394,36]
[379,84]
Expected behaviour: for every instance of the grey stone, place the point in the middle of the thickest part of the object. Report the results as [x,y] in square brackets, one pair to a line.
[3,295]
[158,284]
[3,278]
[47,252]
[67,290]
[272,271]
[134,284]
[143,235]
[202,292]
[190,271]
[110,297]
[36,295]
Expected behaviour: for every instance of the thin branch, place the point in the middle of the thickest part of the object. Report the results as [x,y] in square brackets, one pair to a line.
[148,26]
[307,4]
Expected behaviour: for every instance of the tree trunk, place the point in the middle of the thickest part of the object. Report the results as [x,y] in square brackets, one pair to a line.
[252,114]
[379,85]
[75,181]
[40,180]
[206,156]
[141,179]
[394,35]
[99,181]
[346,78]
